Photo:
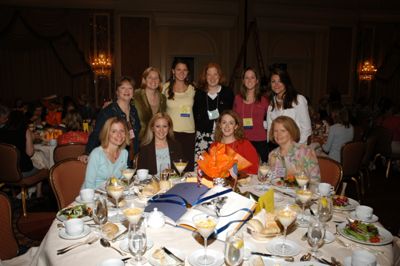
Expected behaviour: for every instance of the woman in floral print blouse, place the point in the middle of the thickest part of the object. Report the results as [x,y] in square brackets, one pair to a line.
[291,158]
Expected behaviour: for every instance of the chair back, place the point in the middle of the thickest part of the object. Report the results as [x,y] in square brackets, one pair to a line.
[9,164]
[352,155]
[384,138]
[66,179]
[68,151]
[8,244]
[331,171]
[370,147]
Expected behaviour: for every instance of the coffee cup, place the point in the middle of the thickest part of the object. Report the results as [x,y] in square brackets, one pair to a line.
[112,262]
[87,194]
[363,258]
[142,174]
[364,212]
[74,226]
[325,189]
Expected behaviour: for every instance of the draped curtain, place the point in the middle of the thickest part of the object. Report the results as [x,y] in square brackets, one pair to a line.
[44,52]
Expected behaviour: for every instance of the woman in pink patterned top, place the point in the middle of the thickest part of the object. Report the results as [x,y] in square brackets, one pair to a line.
[252,108]
[291,158]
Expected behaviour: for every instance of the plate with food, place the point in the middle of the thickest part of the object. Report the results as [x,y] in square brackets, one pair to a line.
[158,257]
[365,233]
[288,181]
[343,203]
[76,211]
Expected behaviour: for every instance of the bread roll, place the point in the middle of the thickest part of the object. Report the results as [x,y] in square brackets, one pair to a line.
[258,261]
[110,230]
[255,225]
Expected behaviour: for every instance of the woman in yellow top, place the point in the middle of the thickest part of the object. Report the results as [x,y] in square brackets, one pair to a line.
[180,98]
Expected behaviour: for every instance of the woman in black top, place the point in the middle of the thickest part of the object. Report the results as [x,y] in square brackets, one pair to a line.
[210,100]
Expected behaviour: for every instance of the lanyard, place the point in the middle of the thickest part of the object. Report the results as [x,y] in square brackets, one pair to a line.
[243,221]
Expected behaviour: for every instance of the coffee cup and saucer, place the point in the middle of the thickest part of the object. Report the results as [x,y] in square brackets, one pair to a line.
[74,228]
[365,214]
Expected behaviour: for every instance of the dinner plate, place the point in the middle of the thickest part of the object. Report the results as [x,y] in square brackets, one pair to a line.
[63,234]
[275,247]
[386,236]
[195,257]
[373,219]
[167,260]
[124,244]
[352,206]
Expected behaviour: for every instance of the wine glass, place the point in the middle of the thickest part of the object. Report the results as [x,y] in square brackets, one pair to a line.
[132,214]
[128,174]
[234,248]
[324,209]
[286,216]
[100,212]
[302,180]
[263,171]
[205,225]
[303,195]
[115,189]
[180,165]
[315,235]
[138,244]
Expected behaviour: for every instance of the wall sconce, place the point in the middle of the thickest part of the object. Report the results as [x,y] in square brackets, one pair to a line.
[367,71]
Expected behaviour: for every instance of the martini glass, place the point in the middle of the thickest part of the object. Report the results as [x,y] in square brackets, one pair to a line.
[133,215]
[286,216]
[262,176]
[115,189]
[128,174]
[303,195]
[205,225]
[180,165]
[302,180]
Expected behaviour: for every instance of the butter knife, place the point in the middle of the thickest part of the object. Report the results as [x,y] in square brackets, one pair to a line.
[172,255]
[286,258]
[119,236]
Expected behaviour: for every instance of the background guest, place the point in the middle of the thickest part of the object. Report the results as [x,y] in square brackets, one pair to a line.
[73,125]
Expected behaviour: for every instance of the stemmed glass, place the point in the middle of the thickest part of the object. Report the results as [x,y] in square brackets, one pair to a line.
[180,165]
[115,189]
[138,243]
[286,216]
[303,195]
[205,225]
[100,212]
[263,171]
[234,248]
[315,235]
[132,214]
[302,180]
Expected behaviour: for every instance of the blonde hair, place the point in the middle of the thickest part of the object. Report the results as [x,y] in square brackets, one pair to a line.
[239,131]
[149,136]
[146,73]
[289,124]
[105,132]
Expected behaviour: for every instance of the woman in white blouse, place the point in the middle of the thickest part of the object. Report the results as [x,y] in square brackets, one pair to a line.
[287,101]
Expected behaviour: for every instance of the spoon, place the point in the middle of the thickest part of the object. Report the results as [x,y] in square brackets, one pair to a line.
[306,257]
[105,243]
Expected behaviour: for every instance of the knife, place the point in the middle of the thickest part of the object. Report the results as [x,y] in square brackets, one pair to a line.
[173,255]
[119,236]
[286,258]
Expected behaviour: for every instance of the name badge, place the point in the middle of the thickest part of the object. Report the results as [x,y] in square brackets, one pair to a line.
[248,123]
[184,111]
[131,134]
[213,114]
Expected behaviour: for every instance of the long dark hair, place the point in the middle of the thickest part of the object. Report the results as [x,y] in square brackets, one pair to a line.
[290,96]
[243,90]
[171,80]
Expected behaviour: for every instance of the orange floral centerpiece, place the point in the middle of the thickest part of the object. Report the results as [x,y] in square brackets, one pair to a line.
[217,162]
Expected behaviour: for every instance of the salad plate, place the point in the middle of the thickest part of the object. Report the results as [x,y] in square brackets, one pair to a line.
[373,219]
[77,211]
[385,237]
[165,260]
[342,203]
[275,247]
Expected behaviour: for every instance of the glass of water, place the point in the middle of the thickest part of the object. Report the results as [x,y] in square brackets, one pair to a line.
[138,243]
[234,248]
[315,235]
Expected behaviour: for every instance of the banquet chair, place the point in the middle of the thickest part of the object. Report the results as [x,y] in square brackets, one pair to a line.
[331,171]
[11,174]
[8,244]
[351,156]
[66,179]
[368,157]
[68,151]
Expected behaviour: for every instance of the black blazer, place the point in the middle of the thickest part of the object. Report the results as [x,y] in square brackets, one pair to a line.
[147,155]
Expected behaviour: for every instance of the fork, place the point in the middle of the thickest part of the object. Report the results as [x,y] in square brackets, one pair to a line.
[88,241]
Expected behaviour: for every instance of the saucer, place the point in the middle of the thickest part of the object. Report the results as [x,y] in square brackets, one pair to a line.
[63,234]
[275,247]
[111,262]
[329,237]
[217,256]
[124,245]
[79,200]
[373,219]
[167,260]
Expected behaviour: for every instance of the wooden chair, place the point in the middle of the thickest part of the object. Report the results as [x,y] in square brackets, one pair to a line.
[68,151]
[331,171]
[8,244]
[351,156]
[66,179]
[11,174]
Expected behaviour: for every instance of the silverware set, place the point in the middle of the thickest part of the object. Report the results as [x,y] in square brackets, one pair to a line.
[88,241]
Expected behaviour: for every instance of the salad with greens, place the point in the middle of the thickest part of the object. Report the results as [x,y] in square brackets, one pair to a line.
[362,231]
[77,211]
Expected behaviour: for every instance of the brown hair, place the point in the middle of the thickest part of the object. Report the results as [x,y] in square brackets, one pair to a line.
[105,131]
[146,73]
[149,136]
[257,91]
[203,85]
[170,89]
[289,124]
[239,131]
[73,121]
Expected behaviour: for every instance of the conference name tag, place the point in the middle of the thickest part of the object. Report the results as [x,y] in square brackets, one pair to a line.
[248,123]
[185,111]
[213,114]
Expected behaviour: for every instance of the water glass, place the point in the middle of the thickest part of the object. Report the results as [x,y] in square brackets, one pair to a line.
[315,235]
[234,248]
[138,243]
[100,212]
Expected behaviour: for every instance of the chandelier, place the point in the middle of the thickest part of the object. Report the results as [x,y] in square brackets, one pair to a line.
[367,71]
[102,66]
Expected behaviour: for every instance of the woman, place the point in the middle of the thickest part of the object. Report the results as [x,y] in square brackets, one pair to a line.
[121,108]
[252,108]
[230,131]
[210,100]
[73,126]
[108,159]
[180,99]
[149,100]
[291,158]
[287,102]
[340,132]
[159,147]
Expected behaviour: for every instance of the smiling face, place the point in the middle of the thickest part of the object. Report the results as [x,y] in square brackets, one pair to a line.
[117,134]
[250,80]
[228,126]
[180,72]
[125,91]
[152,81]
[281,135]
[161,128]
[277,86]
[212,77]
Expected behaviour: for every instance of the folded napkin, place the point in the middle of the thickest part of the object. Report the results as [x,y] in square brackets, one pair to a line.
[266,201]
